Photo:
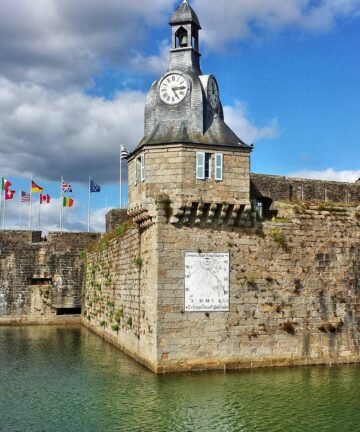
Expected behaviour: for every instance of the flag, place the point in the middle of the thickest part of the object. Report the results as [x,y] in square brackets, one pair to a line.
[35,188]
[94,187]
[66,187]
[9,194]
[124,153]
[25,197]
[68,202]
[45,199]
[5,184]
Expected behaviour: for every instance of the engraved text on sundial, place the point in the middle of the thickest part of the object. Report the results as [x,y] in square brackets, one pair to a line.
[206,282]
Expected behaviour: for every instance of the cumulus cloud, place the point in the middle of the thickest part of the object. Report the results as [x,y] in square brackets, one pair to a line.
[47,133]
[228,20]
[62,43]
[328,174]
[237,118]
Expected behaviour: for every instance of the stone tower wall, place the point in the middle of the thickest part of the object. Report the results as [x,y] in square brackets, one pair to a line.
[172,171]
[294,292]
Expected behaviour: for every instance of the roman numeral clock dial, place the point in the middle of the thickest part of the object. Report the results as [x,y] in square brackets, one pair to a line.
[173,89]
[213,93]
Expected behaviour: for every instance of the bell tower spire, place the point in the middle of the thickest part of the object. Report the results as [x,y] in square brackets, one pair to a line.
[184,53]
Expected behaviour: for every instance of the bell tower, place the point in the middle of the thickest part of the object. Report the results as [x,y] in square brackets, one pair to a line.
[184,54]
[188,153]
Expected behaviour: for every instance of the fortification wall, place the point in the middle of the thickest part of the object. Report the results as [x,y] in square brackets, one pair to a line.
[38,278]
[294,293]
[287,188]
[121,291]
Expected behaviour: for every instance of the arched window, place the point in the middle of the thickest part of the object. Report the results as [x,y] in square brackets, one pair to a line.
[181,37]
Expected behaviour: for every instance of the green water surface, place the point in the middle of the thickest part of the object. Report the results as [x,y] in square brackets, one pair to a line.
[68,379]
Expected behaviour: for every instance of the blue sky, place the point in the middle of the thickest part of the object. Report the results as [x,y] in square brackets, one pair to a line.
[74,76]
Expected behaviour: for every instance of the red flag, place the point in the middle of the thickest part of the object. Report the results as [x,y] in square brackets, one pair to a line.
[44,199]
[9,194]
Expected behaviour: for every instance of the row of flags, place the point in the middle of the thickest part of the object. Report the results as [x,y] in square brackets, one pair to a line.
[44,198]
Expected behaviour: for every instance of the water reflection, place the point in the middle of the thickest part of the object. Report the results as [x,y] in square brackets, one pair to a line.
[67,379]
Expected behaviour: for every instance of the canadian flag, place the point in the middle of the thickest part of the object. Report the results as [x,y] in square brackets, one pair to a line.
[9,194]
[44,199]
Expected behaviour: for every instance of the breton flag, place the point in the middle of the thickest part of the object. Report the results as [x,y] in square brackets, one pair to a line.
[68,202]
[94,187]
[124,153]
[5,184]
[35,188]
[9,194]
[66,187]
[45,199]
[25,197]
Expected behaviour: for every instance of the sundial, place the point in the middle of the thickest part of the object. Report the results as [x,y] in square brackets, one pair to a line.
[206,282]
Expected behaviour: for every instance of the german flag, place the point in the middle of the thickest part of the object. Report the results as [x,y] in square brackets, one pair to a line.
[35,188]
[68,202]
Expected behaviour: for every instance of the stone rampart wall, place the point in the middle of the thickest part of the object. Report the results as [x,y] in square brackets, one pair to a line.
[287,188]
[37,278]
[294,293]
[120,292]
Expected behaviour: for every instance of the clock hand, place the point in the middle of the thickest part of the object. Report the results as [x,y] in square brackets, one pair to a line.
[179,88]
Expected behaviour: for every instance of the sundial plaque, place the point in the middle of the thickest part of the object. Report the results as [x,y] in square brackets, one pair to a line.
[206,282]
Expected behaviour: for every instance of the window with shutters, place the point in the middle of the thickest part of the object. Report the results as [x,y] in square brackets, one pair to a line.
[142,167]
[203,165]
[135,172]
[219,164]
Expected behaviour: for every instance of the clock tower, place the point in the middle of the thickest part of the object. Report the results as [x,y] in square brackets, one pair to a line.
[188,153]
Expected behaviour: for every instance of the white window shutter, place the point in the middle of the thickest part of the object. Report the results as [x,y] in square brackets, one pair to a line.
[219,163]
[135,172]
[200,165]
[142,167]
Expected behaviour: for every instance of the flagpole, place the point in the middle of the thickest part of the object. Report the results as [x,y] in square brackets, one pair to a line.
[39,211]
[61,205]
[20,212]
[4,212]
[89,203]
[30,208]
[1,201]
[120,192]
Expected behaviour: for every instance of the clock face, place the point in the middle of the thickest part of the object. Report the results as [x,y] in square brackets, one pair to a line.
[213,93]
[173,89]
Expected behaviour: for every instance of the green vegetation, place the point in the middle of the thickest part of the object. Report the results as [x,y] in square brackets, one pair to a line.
[102,323]
[278,236]
[129,321]
[105,240]
[118,315]
[115,328]
[138,261]
[82,254]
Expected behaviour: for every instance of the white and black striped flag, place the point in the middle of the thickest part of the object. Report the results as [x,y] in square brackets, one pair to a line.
[124,153]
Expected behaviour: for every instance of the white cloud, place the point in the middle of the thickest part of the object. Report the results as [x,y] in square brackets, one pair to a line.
[154,64]
[328,174]
[228,20]
[237,118]
[62,43]
[47,133]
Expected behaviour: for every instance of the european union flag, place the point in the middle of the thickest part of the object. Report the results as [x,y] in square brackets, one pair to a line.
[94,187]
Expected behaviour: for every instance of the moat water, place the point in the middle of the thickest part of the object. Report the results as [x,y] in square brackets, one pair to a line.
[55,379]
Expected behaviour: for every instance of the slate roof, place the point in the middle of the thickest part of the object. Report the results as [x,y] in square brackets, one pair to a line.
[180,131]
[185,14]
